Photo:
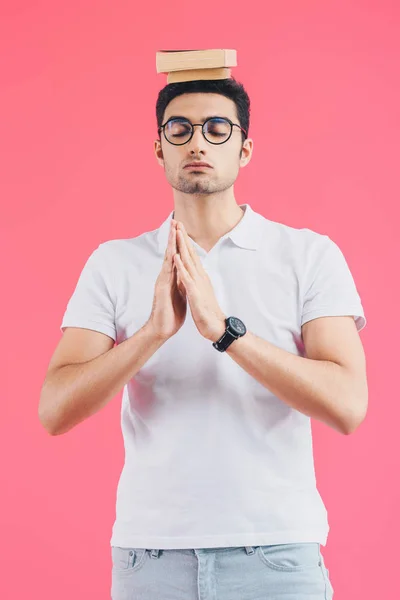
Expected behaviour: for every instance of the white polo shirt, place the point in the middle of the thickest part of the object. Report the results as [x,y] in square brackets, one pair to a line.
[212,457]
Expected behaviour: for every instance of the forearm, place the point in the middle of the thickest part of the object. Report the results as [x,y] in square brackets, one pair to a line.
[75,392]
[317,388]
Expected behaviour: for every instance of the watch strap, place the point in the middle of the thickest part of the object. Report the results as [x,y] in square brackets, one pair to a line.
[225,340]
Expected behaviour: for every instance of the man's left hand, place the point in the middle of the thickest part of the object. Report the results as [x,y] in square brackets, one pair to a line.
[206,313]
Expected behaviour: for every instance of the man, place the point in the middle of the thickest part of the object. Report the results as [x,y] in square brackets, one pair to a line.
[232,331]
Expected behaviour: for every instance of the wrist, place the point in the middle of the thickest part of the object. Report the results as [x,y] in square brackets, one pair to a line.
[154,335]
[218,329]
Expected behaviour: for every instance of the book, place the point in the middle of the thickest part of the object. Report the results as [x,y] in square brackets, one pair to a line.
[189,65]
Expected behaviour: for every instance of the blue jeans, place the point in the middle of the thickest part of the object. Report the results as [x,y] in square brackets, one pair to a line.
[280,571]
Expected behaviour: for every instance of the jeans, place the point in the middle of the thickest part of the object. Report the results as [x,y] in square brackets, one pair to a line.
[294,571]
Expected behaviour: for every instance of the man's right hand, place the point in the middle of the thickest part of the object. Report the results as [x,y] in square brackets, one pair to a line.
[170,303]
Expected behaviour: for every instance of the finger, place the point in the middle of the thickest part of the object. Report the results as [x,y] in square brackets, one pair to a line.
[176,273]
[183,272]
[192,252]
[167,252]
[171,250]
[185,255]
[180,284]
[175,248]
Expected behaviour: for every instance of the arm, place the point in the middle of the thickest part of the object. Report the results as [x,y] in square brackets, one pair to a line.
[329,385]
[73,392]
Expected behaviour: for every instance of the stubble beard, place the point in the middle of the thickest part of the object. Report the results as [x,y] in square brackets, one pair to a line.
[199,183]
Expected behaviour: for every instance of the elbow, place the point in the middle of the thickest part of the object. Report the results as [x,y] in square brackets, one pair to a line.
[349,428]
[352,422]
[47,424]
[54,423]
[47,417]
[47,427]
[357,406]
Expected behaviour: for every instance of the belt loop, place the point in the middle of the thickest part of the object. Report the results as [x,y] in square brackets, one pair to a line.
[249,549]
[155,553]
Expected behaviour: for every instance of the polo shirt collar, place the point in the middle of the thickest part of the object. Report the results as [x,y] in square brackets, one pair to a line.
[246,234]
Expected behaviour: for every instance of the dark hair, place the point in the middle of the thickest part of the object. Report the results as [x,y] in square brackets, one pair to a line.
[227,87]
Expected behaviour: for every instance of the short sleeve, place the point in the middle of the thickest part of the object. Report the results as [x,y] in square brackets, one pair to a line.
[91,305]
[330,289]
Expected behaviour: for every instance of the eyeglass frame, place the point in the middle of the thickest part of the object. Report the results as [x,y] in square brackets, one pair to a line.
[193,125]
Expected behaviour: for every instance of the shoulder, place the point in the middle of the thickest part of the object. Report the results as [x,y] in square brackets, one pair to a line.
[303,245]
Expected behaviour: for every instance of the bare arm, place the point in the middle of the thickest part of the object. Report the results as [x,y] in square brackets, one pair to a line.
[86,371]
[329,384]
[73,392]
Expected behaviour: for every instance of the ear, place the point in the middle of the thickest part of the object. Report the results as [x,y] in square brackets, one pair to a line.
[246,152]
[158,152]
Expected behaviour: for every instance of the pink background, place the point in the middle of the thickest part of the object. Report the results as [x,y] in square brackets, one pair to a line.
[77,126]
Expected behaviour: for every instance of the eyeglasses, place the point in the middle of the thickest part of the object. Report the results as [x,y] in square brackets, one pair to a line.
[216,130]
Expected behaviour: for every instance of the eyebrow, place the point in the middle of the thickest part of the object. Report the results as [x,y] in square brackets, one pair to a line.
[204,119]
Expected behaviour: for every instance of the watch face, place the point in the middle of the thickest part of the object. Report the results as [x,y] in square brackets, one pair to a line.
[237,325]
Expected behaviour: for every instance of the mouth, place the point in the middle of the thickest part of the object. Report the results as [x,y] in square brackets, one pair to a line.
[197,167]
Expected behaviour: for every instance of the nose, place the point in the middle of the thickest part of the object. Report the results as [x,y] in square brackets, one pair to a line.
[198,141]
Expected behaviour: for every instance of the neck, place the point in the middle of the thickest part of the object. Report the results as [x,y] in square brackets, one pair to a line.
[206,220]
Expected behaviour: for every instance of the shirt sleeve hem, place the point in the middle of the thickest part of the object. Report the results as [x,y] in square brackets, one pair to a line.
[355,312]
[90,324]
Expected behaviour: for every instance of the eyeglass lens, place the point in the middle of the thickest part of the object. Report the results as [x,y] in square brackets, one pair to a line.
[216,130]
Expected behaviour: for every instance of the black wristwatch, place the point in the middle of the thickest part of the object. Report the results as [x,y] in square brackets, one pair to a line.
[235,328]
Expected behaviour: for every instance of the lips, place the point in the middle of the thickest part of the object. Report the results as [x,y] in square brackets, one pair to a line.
[198,164]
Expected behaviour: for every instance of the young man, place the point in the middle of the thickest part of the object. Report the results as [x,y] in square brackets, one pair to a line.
[232,331]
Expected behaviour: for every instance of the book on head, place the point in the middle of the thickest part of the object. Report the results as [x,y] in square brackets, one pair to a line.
[190,65]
